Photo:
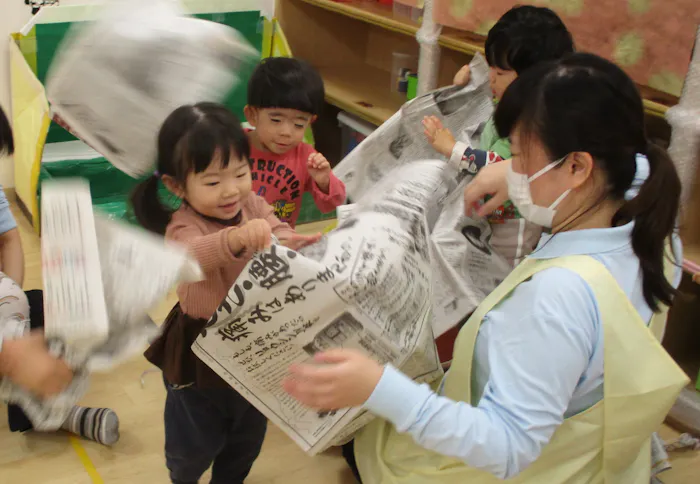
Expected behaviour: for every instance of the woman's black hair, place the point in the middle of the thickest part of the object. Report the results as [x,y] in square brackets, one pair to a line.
[525,36]
[583,103]
[282,82]
[7,145]
[189,140]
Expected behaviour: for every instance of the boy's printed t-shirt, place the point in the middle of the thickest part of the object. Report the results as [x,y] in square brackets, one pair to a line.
[512,237]
[478,159]
[282,180]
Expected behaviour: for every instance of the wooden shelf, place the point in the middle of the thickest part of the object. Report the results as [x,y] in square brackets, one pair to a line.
[363,92]
[656,103]
[383,16]
[370,12]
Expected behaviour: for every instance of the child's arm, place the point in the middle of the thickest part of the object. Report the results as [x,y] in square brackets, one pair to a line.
[232,245]
[462,156]
[11,255]
[326,188]
[439,137]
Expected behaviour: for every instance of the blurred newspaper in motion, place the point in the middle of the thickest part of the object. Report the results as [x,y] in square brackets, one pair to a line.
[366,285]
[115,80]
[470,256]
[101,278]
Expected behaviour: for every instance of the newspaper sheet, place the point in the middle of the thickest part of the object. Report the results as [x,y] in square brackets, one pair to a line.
[115,80]
[366,285]
[91,261]
[470,256]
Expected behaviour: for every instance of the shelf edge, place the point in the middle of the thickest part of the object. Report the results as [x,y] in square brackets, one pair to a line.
[367,17]
[352,109]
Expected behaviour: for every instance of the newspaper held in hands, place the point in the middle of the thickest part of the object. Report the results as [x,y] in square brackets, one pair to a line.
[115,80]
[138,271]
[470,256]
[463,110]
[74,301]
[89,260]
[365,285]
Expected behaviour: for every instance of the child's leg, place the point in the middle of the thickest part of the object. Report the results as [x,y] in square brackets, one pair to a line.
[195,432]
[98,424]
[246,432]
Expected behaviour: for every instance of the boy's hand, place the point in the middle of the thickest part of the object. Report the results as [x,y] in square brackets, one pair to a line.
[438,136]
[320,170]
[253,236]
[28,364]
[463,76]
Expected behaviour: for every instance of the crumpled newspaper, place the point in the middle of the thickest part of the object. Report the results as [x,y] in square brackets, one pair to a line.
[138,269]
[115,80]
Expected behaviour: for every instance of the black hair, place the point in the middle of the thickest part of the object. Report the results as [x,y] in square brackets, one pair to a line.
[583,103]
[189,140]
[7,145]
[527,35]
[282,82]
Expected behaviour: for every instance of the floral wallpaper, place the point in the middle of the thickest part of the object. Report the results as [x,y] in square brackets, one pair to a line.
[651,39]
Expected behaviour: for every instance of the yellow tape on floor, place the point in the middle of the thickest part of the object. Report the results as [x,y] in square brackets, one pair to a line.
[85,460]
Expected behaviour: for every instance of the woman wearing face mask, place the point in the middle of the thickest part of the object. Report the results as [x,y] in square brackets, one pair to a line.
[556,377]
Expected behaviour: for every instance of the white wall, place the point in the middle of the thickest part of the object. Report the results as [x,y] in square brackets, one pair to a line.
[13,15]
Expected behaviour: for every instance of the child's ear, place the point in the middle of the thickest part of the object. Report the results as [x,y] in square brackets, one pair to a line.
[313,119]
[251,115]
[173,186]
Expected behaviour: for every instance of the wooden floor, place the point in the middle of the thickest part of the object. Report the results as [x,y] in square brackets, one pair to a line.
[137,458]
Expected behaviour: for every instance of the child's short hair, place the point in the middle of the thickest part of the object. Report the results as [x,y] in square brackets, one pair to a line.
[526,35]
[282,82]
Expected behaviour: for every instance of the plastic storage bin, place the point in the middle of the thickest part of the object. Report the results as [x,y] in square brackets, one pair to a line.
[353,131]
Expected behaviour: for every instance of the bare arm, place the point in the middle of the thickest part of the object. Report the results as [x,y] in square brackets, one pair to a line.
[11,256]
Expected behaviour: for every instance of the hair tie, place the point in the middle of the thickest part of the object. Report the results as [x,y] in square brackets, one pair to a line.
[640,176]
[156,174]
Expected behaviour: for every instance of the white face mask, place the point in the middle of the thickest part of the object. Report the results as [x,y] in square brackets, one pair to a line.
[519,194]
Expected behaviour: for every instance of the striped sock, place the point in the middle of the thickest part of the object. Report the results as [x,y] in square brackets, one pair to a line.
[98,424]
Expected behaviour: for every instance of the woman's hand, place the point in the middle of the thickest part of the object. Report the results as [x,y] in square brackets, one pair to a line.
[491,180]
[297,241]
[28,364]
[343,378]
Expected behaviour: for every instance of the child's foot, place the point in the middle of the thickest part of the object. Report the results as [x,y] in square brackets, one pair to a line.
[98,424]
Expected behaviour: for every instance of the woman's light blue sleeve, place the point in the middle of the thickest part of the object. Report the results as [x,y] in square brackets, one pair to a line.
[540,341]
[7,220]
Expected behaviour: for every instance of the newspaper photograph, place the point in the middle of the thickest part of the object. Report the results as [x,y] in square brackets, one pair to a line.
[470,256]
[463,110]
[115,80]
[366,285]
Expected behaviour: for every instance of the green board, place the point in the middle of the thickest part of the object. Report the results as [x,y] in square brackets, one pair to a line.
[40,46]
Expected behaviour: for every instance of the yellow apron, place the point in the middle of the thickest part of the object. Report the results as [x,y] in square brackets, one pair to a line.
[610,442]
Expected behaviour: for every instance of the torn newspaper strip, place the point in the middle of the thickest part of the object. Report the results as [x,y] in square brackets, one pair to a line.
[115,80]
[470,256]
[100,279]
[366,285]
